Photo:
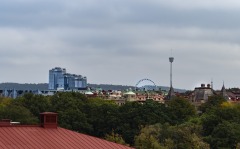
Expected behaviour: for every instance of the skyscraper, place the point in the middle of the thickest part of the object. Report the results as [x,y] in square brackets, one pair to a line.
[56,78]
[60,80]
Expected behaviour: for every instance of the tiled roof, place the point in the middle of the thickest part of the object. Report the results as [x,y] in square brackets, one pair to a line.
[36,137]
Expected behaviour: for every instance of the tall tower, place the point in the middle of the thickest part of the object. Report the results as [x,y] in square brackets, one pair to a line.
[171,90]
[171,59]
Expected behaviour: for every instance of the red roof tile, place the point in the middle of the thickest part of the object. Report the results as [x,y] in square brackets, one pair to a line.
[36,137]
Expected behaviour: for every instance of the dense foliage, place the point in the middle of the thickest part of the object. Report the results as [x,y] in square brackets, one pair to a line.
[174,125]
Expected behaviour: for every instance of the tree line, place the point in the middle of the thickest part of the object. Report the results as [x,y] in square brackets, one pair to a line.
[177,124]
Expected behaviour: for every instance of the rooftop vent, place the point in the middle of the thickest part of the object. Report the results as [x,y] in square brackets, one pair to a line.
[49,120]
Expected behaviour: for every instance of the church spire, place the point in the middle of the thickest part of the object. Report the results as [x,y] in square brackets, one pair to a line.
[224,92]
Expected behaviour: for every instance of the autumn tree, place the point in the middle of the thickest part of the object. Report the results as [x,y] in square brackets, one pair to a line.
[165,136]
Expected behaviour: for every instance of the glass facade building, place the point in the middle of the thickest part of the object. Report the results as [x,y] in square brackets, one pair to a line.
[60,80]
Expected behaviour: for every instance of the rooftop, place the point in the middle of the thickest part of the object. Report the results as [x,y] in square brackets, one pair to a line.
[29,137]
[49,137]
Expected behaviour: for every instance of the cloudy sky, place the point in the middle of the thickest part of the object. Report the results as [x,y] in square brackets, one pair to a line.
[122,41]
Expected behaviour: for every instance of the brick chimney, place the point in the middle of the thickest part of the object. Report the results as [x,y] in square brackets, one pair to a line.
[49,119]
[5,122]
[208,86]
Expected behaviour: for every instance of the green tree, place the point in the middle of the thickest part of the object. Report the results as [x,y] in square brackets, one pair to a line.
[185,136]
[102,115]
[66,100]
[213,102]
[148,138]
[238,146]
[180,110]
[36,104]
[133,116]
[114,137]
[74,120]
[225,135]
[5,101]
[18,114]
[209,121]
[69,106]
[221,125]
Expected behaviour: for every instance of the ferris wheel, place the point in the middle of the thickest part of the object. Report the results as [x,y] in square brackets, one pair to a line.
[145,85]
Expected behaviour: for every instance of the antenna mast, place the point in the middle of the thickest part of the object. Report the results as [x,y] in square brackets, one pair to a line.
[212,83]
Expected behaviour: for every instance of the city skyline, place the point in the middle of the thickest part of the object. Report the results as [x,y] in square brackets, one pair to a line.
[122,42]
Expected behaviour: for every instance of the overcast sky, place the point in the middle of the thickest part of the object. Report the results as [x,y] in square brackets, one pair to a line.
[122,41]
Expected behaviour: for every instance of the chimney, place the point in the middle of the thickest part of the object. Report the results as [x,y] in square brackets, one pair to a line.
[202,85]
[208,86]
[49,120]
[5,122]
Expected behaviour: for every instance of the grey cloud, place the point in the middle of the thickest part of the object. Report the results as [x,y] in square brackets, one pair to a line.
[104,14]
[123,41]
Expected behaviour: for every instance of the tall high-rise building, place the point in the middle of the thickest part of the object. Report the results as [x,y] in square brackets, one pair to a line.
[60,80]
[56,78]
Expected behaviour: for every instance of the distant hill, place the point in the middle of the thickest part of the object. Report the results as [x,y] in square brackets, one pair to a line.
[176,90]
[44,86]
[26,86]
